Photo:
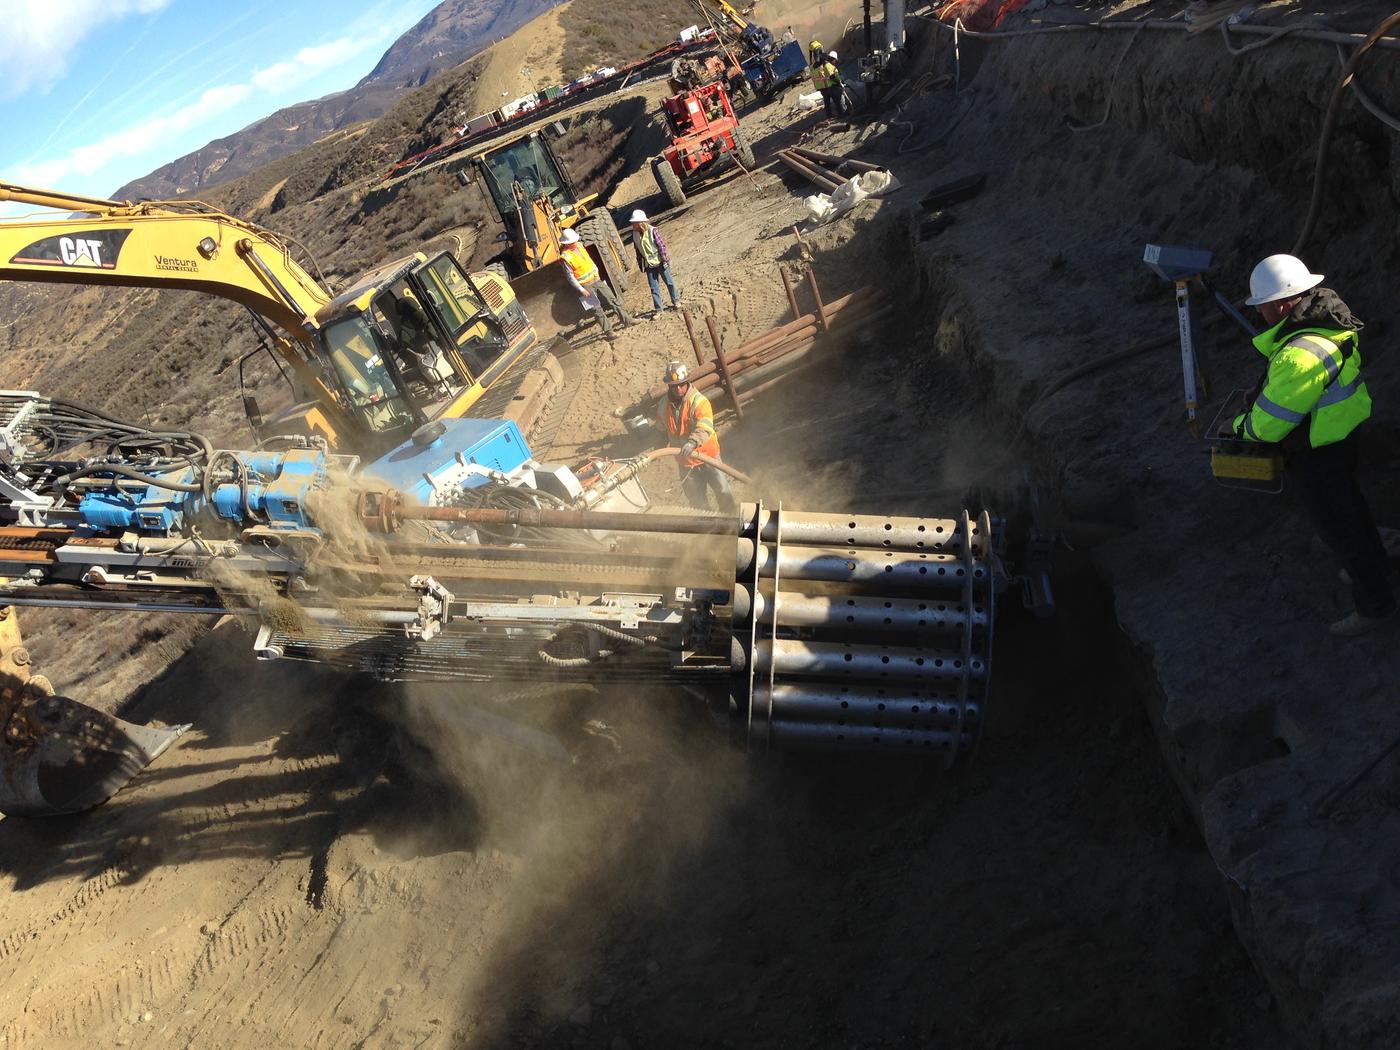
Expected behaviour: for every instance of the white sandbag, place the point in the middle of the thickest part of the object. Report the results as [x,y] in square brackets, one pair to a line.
[820,208]
[811,101]
[825,207]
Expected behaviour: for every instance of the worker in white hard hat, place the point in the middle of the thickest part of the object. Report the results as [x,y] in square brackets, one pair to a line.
[653,259]
[1310,403]
[594,293]
[688,421]
[826,76]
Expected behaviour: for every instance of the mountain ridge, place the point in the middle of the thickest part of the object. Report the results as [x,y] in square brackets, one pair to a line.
[446,36]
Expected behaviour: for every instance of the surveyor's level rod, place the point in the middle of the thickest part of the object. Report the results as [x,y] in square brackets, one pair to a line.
[1188,352]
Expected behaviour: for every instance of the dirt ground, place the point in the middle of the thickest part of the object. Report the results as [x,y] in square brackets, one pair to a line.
[328,862]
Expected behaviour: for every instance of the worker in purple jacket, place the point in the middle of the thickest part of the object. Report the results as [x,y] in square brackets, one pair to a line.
[653,259]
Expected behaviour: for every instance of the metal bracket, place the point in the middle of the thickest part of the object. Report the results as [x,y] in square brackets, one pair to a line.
[434,609]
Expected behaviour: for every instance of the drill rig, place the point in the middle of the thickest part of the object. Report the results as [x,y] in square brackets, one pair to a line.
[460,557]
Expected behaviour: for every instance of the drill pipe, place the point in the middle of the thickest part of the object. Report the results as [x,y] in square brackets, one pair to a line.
[879,706]
[857,611]
[827,736]
[836,660]
[606,521]
[814,528]
[834,565]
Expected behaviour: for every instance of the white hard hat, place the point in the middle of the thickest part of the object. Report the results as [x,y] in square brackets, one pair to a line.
[831,54]
[1280,277]
[569,236]
[638,216]
[676,374]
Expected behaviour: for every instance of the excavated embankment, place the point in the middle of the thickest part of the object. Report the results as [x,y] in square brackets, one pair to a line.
[1261,716]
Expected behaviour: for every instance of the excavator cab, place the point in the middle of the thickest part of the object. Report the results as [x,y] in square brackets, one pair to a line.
[418,340]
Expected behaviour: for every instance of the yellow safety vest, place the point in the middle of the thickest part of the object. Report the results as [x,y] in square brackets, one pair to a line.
[580,264]
[1310,380]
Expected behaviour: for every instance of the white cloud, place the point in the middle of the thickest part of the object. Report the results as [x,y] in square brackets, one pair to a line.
[164,132]
[40,34]
[309,61]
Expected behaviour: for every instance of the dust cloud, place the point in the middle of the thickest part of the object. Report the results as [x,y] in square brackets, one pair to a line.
[597,798]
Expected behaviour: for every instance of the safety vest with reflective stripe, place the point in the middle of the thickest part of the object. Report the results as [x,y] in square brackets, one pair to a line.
[651,254]
[694,419]
[820,81]
[580,264]
[1313,373]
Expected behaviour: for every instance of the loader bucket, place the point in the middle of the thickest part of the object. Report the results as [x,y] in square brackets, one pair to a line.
[59,756]
[549,301]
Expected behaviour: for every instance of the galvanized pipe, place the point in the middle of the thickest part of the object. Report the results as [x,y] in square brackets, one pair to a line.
[898,569]
[835,660]
[857,611]
[814,528]
[878,708]
[823,736]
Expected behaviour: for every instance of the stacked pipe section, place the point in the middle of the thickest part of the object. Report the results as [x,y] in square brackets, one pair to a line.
[862,633]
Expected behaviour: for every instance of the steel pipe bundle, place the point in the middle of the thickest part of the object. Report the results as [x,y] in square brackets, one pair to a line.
[862,633]
[755,365]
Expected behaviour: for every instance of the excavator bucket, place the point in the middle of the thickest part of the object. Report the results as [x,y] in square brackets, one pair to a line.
[57,755]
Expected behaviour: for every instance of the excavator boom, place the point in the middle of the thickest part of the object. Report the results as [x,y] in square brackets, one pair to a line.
[176,244]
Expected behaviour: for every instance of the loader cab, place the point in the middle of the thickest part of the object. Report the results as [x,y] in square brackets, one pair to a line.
[527,167]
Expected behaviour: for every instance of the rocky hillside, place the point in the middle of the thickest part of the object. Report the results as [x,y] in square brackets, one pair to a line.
[446,36]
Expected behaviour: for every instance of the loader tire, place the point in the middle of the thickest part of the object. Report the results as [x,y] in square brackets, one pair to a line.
[605,218]
[668,181]
[743,149]
[499,268]
[594,234]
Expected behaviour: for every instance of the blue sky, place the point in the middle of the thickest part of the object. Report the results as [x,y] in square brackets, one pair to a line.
[95,93]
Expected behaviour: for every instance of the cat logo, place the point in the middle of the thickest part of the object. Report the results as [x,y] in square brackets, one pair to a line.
[75,252]
[88,250]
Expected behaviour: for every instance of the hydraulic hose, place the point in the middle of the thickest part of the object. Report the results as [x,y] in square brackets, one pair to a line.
[1329,125]
[128,472]
[737,475]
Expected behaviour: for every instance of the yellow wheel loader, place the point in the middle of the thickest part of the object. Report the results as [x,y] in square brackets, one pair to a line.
[535,199]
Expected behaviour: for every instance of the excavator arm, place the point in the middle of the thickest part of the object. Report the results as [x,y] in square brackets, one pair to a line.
[159,245]
[169,244]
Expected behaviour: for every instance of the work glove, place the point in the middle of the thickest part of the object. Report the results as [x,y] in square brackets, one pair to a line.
[688,449]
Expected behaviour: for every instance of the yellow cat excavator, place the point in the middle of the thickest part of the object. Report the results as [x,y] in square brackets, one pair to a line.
[413,341]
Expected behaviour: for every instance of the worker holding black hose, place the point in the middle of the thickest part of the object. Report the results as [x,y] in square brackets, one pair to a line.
[1310,403]
[689,421]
